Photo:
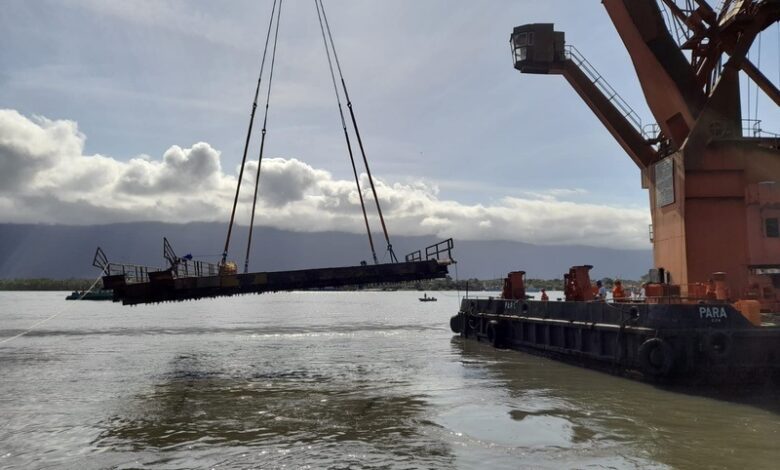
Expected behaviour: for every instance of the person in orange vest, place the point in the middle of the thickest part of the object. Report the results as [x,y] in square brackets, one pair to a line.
[618,294]
[545,298]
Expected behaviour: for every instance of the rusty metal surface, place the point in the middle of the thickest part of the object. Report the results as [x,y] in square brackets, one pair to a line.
[165,286]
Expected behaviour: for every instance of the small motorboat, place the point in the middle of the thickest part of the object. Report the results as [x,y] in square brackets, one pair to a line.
[425,298]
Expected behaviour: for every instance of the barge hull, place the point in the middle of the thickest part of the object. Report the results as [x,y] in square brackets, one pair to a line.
[675,344]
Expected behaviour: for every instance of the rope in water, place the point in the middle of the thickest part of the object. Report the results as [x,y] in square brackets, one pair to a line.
[55,315]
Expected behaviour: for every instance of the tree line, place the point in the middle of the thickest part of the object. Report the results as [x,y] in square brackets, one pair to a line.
[45,284]
[447,283]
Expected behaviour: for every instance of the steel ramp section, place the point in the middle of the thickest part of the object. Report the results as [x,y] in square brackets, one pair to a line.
[165,286]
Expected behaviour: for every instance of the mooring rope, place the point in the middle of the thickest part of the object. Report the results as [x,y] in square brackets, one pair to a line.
[55,315]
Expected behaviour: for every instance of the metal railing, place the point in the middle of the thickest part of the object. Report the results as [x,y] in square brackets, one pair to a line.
[136,273]
[651,131]
[571,53]
[133,273]
[190,268]
[752,128]
[435,251]
[681,31]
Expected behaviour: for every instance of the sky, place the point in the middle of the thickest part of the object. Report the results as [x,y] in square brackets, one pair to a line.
[137,110]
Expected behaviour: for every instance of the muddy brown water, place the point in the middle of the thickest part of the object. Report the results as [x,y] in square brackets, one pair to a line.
[334,380]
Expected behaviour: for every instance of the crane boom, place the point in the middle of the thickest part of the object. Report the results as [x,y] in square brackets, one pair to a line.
[538,49]
[666,77]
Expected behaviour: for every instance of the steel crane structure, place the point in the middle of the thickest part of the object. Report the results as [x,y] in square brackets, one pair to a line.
[714,189]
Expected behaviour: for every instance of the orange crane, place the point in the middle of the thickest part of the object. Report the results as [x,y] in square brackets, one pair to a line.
[714,189]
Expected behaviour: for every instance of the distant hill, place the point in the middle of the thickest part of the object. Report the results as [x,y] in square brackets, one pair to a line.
[60,251]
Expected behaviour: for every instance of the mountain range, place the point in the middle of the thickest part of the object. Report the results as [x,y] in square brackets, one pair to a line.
[66,251]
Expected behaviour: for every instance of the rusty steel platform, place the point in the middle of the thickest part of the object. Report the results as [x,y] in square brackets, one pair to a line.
[164,286]
[188,279]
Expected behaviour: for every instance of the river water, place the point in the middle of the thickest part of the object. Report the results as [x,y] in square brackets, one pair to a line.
[333,380]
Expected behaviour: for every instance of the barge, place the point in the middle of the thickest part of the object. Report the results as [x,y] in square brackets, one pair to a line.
[659,339]
[187,279]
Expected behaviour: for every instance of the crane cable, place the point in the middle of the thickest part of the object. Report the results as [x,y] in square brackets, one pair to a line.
[262,138]
[357,133]
[758,66]
[346,134]
[248,136]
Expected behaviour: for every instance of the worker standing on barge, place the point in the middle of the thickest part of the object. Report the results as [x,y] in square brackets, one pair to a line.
[599,291]
[618,294]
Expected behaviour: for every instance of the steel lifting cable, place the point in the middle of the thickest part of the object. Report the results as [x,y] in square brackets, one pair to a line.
[346,134]
[248,135]
[749,82]
[262,138]
[357,133]
[758,65]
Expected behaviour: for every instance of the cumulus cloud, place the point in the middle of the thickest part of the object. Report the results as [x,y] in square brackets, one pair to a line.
[46,177]
[284,181]
[181,170]
[31,145]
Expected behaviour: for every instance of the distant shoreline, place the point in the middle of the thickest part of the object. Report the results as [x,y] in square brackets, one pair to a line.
[532,285]
[45,284]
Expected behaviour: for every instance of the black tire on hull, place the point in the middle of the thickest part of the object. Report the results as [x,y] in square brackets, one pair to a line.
[656,357]
[456,324]
[495,334]
[717,345]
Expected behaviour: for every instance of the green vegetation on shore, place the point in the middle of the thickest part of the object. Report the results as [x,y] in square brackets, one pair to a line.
[46,284]
[474,284]
[433,284]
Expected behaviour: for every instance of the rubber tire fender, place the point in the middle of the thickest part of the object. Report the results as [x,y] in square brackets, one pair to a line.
[456,324]
[717,345]
[646,351]
[494,333]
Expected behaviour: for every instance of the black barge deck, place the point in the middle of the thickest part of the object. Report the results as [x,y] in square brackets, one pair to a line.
[710,343]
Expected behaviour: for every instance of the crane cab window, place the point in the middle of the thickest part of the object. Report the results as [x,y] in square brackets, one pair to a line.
[771,227]
[524,39]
